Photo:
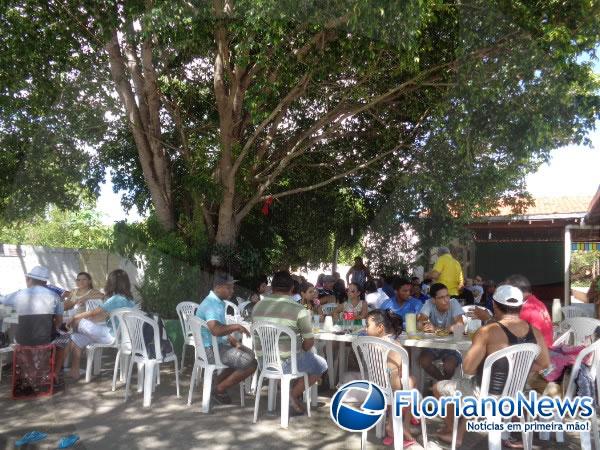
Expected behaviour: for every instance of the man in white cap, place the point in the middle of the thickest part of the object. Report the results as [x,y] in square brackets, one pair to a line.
[40,313]
[507,329]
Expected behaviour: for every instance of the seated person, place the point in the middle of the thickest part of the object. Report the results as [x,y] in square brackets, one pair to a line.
[374,296]
[387,325]
[40,314]
[94,326]
[239,359]
[402,303]
[507,330]
[85,291]
[416,291]
[280,309]
[439,313]
[353,304]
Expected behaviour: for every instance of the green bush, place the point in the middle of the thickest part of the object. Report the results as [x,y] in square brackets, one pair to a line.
[581,266]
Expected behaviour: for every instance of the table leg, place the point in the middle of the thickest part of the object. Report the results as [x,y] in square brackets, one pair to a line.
[343,361]
[330,363]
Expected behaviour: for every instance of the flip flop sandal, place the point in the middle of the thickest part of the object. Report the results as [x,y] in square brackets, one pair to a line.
[32,436]
[68,441]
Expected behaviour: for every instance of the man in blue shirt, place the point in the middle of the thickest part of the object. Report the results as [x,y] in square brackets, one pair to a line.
[441,313]
[402,303]
[239,359]
[416,291]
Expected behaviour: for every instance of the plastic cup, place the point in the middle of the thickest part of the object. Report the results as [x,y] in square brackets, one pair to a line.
[328,324]
[458,331]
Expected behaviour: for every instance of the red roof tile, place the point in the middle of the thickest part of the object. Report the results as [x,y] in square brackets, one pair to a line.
[552,205]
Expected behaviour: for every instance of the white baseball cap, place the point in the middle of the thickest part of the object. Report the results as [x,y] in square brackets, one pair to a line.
[38,273]
[508,295]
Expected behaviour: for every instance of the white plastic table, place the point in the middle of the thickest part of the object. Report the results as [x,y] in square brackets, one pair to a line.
[424,340]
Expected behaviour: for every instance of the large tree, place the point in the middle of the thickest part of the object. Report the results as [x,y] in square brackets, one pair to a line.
[209,109]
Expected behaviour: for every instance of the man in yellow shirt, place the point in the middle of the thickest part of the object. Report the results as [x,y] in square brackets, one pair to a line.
[447,271]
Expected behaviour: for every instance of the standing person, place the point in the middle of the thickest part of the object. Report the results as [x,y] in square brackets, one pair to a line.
[239,360]
[447,271]
[402,303]
[508,329]
[387,325]
[39,312]
[387,287]
[440,312]
[94,326]
[326,293]
[280,309]
[82,293]
[358,273]
[593,294]
[353,304]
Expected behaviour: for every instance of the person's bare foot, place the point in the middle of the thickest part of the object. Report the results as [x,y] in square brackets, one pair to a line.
[296,405]
[447,437]
[74,376]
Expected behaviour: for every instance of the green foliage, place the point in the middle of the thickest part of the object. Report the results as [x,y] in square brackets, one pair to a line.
[582,263]
[61,229]
[172,268]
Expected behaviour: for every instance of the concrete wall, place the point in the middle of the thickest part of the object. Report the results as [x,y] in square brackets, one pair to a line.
[63,264]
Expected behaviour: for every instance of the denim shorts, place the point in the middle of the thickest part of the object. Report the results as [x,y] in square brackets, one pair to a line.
[308,362]
[442,354]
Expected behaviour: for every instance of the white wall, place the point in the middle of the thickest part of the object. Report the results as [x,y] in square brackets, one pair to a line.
[63,264]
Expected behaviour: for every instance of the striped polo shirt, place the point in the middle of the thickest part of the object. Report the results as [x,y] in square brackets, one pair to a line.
[282,310]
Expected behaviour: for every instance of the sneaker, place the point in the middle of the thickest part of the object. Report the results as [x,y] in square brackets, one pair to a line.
[221,399]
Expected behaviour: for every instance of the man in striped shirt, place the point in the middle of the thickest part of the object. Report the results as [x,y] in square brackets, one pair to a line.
[280,309]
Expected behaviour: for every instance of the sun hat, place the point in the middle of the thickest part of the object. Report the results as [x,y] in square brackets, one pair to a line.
[38,273]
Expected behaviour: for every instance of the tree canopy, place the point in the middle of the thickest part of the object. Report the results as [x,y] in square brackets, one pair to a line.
[425,112]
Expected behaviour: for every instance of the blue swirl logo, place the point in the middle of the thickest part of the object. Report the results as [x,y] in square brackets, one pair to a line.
[364,417]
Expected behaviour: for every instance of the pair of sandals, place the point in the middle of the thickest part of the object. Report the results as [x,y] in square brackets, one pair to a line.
[36,436]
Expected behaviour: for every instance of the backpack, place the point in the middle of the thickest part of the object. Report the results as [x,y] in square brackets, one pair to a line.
[147,330]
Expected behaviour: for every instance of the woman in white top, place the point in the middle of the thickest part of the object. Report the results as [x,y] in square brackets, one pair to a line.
[353,304]
[82,293]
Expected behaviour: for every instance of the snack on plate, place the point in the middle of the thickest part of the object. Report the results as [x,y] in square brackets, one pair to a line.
[442,333]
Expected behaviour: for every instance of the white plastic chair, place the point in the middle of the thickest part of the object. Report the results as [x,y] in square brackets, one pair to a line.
[372,355]
[580,328]
[148,368]
[186,310]
[520,358]
[201,362]
[270,364]
[122,343]
[579,310]
[328,308]
[233,307]
[593,353]
[94,351]
[4,350]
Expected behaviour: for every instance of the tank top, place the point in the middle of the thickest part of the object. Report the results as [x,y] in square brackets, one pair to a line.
[499,372]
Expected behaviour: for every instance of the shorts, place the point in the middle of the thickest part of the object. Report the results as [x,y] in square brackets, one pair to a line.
[307,362]
[442,354]
[240,358]
[89,332]
[62,340]
[447,388]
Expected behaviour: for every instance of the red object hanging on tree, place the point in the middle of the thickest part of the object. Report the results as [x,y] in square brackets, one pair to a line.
[266,208]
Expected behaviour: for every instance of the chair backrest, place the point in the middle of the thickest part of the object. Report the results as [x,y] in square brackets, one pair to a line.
[231,309]
[122,338]
[93,303]
[520,358]
[134,321]
[372,355]
[328,308]
[195,325]
[590,356]
[267,335]
[579,310]
[185,310]
[581,328]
